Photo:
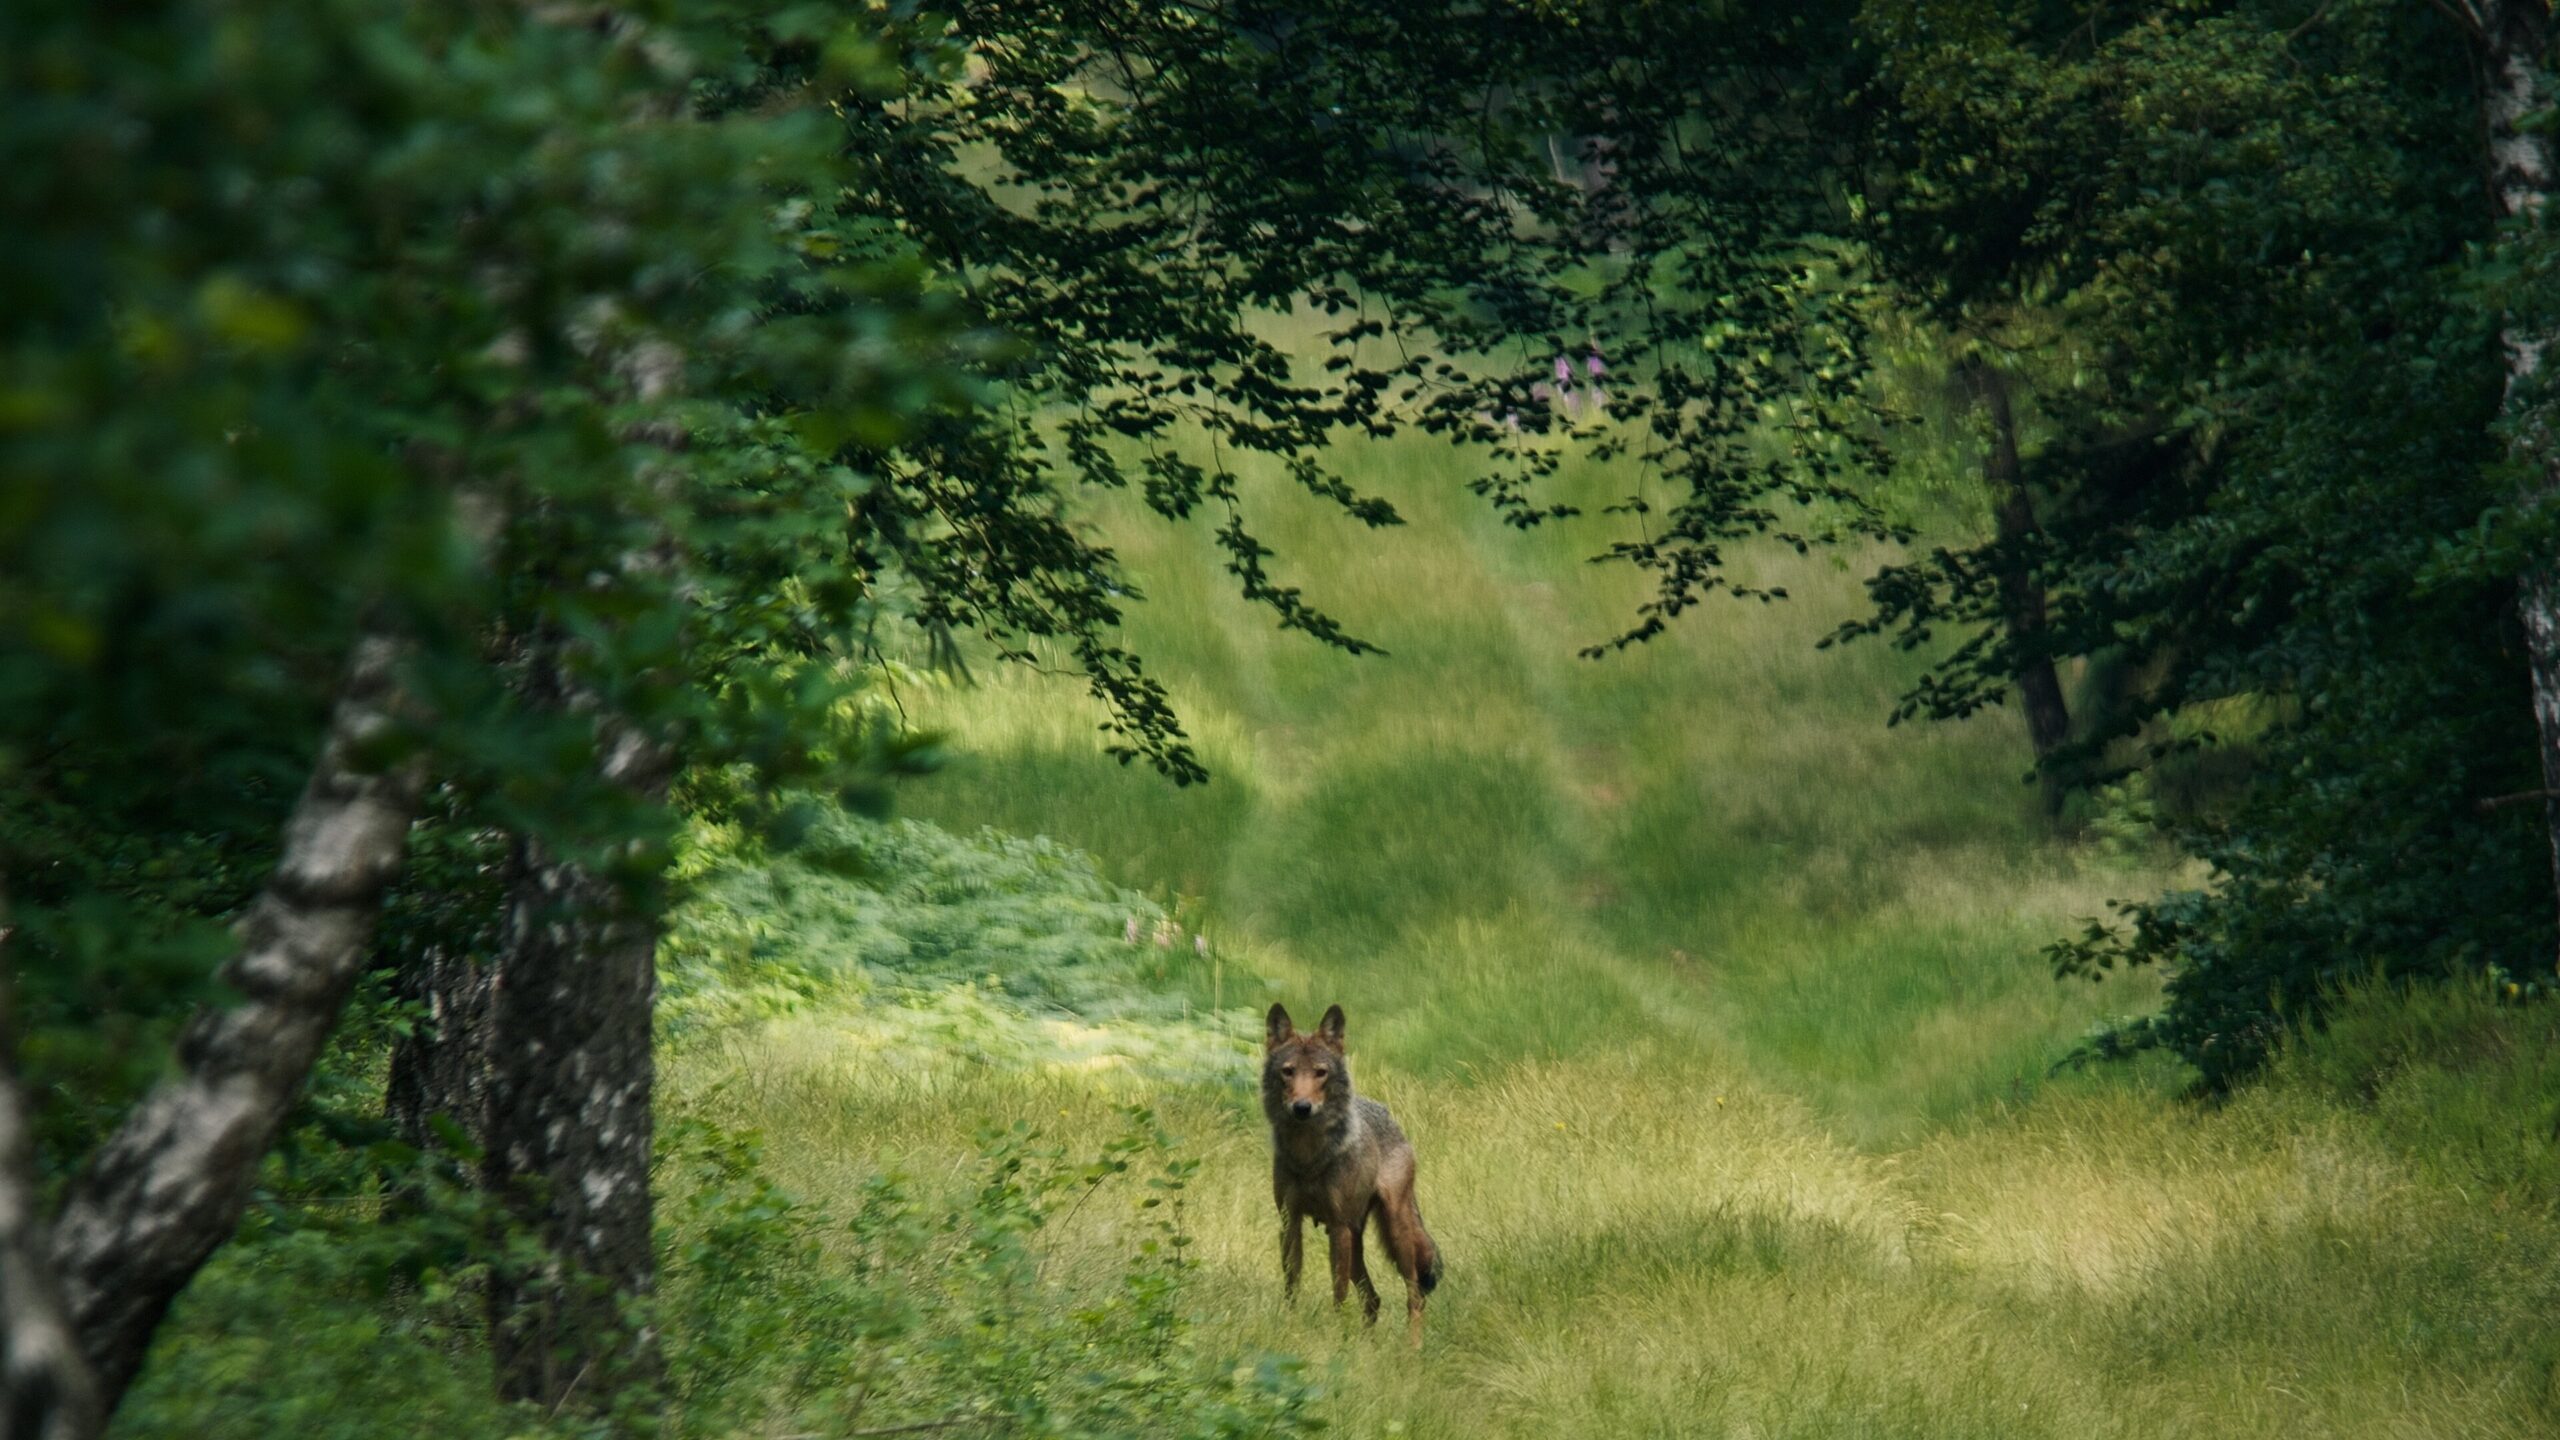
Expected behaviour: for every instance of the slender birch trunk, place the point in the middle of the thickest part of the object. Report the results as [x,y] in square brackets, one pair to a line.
[46,1389]
[2513,37]
[167,1188]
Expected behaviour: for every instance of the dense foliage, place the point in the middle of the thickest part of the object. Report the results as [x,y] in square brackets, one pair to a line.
[2236,244]
[650,381]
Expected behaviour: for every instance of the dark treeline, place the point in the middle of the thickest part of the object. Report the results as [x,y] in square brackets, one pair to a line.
[444,444]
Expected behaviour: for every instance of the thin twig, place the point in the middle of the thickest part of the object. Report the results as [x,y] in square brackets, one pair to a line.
[2317,16]
[2521,797]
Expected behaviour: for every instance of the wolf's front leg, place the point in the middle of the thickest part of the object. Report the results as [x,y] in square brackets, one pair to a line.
[1293,1251]
[1346,1255]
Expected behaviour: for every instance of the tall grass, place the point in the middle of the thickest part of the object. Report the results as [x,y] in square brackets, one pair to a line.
[1502,850]
[1713,1009]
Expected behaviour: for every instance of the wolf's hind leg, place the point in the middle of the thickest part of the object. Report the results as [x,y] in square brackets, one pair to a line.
[1360,1264]
[1405,1261]
[1401,1243]
[1400,1225]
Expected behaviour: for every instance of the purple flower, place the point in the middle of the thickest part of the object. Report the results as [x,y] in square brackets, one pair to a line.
[1511,421]
[1591,365]
[1564,371]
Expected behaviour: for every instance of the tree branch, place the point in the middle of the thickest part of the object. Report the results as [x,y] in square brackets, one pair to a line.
[2521,797]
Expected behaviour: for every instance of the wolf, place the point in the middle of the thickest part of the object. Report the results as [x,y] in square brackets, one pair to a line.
[1338,1159]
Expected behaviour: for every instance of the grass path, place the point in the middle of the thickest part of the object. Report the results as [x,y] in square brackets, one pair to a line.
[1713,1008]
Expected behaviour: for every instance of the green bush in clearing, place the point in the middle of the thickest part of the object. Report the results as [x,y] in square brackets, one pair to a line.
[903,907]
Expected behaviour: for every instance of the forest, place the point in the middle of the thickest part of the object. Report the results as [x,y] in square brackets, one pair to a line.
[688,686]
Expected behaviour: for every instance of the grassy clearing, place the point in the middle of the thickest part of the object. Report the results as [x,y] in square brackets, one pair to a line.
[1713,1009]
[1498,850]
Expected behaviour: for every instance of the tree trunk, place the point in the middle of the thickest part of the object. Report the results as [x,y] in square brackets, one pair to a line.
[2512,39]
[46,1389]
[571,1010]
[441,1067]
[570,1075]
[168,1187]
[2022,600]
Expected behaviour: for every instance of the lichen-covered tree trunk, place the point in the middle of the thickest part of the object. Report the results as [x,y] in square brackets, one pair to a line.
[2022,598]
[46,1389]
[168,1186]
[2513,39]
[570,1076]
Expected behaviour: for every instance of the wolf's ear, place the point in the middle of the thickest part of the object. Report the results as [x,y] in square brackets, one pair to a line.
[1330,1031]
[1276,1029]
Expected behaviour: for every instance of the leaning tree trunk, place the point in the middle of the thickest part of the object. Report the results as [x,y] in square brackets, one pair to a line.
[2512,38]
[46,1389]
[570,1075]
[168,1187]
[2022,599]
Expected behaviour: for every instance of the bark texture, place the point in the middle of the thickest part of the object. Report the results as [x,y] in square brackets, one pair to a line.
[2512,39]
[571,1011]
[441,1067]
[2022,598]
[46,1389]
[168,1187]
[569,1094]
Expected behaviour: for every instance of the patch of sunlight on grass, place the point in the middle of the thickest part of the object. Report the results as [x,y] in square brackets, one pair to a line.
[1856,910]
[1715,1010]
[1649,1242]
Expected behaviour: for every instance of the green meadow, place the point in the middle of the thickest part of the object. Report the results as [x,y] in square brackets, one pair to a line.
[1713,1006]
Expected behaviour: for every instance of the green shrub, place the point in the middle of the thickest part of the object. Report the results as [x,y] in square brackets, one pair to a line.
[912,1313]
[332,1316]
[972,945]
[2462,1079]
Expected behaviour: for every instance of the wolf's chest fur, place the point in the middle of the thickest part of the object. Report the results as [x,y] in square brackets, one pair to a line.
[1329,1169]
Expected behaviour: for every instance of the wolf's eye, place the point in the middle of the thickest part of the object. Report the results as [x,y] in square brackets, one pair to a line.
[1322,1073]
[1288,1070]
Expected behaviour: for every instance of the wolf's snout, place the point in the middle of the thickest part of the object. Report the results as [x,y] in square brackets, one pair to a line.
[1302,1108]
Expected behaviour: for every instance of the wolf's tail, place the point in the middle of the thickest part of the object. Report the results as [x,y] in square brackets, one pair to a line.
[1408,1241]
[1427,1266]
